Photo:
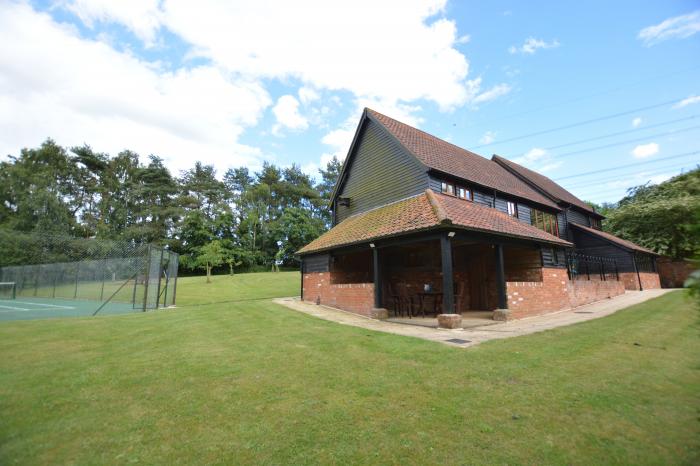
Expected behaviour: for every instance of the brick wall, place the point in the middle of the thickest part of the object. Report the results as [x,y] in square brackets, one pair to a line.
[353,297]
[556,292]
[673,274]
[650,280]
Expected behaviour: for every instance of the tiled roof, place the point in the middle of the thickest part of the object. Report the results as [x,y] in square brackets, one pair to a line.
[545,184]
[423,212]
[447,158]
[614,239]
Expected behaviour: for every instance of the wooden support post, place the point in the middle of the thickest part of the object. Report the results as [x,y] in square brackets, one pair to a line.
[636,270]
[501,278]
[448,291]
[301,272]
[377,278]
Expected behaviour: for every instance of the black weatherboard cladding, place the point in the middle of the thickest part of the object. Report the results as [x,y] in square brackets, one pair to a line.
[379,173]
[594,246]
[316,263]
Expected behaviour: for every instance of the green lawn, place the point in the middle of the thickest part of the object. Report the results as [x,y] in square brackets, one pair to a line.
[241,287]
[252,382]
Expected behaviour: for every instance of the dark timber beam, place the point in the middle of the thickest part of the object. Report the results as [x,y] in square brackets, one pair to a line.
[636,270]
[500,278]
[377,278]
[448,297]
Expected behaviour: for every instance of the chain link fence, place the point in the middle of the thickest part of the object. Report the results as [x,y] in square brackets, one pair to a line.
[102,275]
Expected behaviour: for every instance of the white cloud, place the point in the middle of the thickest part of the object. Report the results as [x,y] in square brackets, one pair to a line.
[475,95]
[308,95]
[411,57]
[465,39]
[538,159]
[142,17]
[636,122]
[55,84]
[533,155]
[531,45]
[693,99]
[287,114]
[488,137]
[678,27]
[643,151]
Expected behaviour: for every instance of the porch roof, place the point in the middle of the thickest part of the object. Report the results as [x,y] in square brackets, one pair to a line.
[426,211]
[623,243]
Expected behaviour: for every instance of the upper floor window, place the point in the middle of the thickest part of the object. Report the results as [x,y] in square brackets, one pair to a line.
[453,190]
[464,193]
[595,223]
[512,210]
[448,188]
[544,221]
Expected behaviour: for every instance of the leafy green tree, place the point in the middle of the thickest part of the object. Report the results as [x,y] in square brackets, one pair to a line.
[661,217]
[210,255]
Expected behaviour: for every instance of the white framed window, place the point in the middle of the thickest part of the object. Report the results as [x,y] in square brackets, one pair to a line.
[448,188]
[512,209]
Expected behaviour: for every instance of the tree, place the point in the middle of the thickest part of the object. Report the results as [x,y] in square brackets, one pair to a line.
[210,255]
[661,217]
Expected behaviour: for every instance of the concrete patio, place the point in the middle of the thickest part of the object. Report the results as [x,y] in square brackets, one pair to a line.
[479,329]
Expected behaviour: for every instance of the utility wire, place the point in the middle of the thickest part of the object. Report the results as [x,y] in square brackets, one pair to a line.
[582,123]
[628,165]
[584,97]
[614,189]
[607,181]
[619,133]
[620,143]
[655,171]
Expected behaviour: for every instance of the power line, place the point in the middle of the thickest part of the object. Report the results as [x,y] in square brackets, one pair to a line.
[628,165]
[613,189]
[581,123]
[619,133]
[655,171]
[587,96]
[608,180]
[620,143]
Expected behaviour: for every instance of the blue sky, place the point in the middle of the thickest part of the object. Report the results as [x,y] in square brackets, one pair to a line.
[234,83]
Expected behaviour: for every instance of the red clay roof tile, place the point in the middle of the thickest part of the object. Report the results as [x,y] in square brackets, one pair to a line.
[545,184]
[423,212]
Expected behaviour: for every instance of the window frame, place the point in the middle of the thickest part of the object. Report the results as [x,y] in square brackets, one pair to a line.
[514,211]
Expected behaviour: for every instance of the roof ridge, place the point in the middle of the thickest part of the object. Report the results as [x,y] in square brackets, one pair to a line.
[437,207]
[428,134]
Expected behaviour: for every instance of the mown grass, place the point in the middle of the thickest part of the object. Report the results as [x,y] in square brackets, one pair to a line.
[253,382]
[240,287]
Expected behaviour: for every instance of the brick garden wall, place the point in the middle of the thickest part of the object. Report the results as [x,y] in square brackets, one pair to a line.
[353,297]
[650,280]
[556,292]
[673,274]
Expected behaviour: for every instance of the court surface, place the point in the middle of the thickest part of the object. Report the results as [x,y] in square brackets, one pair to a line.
[24,308]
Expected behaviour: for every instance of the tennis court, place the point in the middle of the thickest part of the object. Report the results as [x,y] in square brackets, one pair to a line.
[24,308]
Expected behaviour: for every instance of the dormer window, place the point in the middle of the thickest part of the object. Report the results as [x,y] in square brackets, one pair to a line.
[512,210]
[448,188]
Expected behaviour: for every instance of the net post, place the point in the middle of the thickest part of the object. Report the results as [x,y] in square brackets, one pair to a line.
[55,277]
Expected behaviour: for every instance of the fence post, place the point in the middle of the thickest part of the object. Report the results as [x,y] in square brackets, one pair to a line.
[55,276]
[102,291]
[77,274]
[36,280]
[147,278]
[160,276]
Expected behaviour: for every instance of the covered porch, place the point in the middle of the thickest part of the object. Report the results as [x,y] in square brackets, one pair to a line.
[420,278]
